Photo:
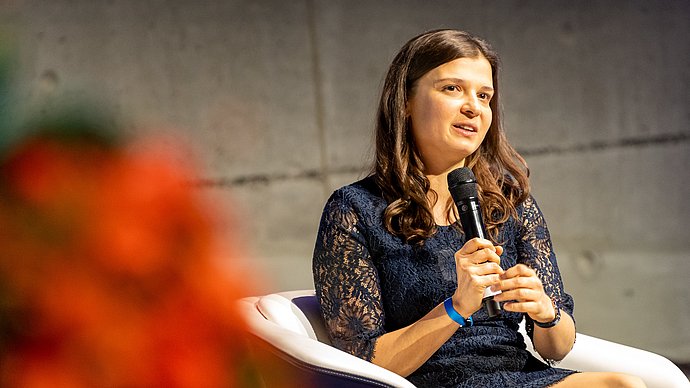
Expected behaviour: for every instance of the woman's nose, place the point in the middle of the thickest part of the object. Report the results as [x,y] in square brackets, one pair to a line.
[470,107]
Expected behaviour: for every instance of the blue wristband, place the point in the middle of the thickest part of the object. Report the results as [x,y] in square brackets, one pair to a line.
[454,315]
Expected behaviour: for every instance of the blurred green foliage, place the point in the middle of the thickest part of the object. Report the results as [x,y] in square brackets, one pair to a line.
[59,118]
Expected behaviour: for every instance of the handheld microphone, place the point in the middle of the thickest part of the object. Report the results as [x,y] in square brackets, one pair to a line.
[463,188]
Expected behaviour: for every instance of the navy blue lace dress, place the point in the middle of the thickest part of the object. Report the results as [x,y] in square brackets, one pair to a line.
[370,282]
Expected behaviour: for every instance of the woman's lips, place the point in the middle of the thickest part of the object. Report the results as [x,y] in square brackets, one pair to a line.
[465,129]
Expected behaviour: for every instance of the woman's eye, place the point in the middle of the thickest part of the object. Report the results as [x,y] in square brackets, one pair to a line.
[451,88]
[484,96]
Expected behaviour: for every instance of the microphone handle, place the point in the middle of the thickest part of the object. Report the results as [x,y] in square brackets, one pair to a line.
[471,218]
[471,221]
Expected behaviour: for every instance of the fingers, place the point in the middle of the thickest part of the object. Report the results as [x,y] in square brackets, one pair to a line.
[518,294]
[478,266]
[519,283]
[481,264]
[487,268]
[479,251]
[480,258]
[488,280]
[522,307]
[485,274]
[484,255]
[523,292]
[476,244]
[519,270]
[541,311]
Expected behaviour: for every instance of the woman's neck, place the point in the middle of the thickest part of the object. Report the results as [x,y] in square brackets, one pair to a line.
[440,201]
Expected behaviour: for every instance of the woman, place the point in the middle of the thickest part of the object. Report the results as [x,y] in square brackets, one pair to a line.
[398,283]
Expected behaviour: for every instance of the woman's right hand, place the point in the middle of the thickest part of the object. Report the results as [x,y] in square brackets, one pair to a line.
[478,265]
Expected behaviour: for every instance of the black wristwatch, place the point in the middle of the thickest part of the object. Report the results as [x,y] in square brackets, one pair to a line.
[554,321]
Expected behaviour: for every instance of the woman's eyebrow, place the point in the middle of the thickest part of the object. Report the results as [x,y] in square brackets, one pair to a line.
[485,88]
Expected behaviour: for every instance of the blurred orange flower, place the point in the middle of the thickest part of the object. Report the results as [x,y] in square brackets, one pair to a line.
[110,272]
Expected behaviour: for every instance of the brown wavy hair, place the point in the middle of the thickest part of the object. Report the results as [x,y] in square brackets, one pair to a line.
[502,174]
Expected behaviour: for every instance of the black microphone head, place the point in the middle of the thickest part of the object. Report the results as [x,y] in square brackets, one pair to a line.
[462,184]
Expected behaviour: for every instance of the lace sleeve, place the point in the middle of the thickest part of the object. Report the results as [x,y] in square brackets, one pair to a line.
[346,281]
[536,251]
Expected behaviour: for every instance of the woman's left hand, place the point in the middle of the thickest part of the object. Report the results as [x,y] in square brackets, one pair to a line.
[523,292]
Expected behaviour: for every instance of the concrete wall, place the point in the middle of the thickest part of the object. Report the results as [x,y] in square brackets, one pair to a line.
[279,97]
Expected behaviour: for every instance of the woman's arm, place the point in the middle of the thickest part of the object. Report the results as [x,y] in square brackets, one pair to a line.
[406,349]
[537,286]
[346,280]
[523,292]
[555,343]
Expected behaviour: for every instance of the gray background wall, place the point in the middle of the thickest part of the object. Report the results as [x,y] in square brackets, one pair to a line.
[278,98]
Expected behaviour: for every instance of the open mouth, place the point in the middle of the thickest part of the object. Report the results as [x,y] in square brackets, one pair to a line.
[465,127]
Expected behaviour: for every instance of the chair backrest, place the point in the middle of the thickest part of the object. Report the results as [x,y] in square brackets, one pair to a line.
[312,311]
[298,311]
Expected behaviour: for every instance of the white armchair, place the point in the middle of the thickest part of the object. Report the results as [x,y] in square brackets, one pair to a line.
[291,323]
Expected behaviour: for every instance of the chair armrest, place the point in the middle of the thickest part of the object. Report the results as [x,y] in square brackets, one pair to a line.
[591,354]
[598,355]
[306,352]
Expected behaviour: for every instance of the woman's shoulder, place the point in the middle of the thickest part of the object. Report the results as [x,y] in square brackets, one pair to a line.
[527,206]
[361,197]
[364,190]
[529,213]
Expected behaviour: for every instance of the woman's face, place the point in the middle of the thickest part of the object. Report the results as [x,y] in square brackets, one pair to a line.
[450,113]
